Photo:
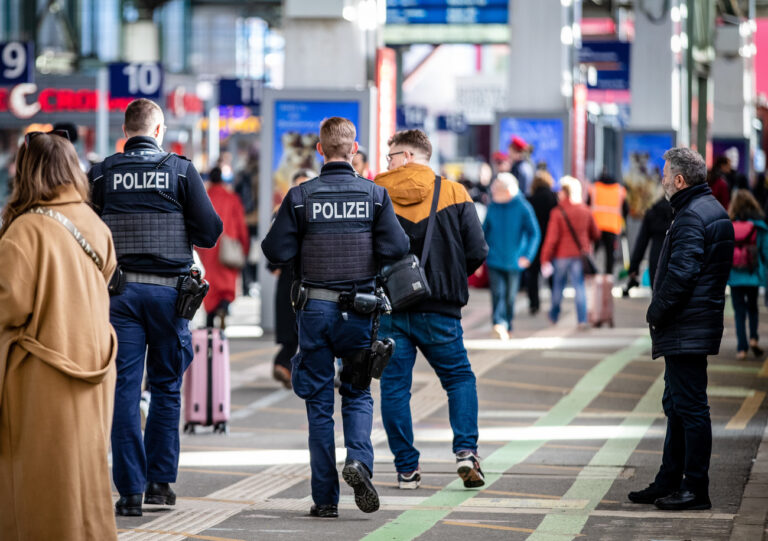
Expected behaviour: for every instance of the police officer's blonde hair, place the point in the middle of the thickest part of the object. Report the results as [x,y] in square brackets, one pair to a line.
[142,115]
[337,137]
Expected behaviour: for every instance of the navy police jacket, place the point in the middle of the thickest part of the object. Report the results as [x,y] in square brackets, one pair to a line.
[336,230]
[686,310]
[155,204]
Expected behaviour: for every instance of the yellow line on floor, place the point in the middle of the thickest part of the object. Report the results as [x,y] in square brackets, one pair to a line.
[521,385]
[202,499]
[764,372]
[487,526]
[186,534]
[747,410]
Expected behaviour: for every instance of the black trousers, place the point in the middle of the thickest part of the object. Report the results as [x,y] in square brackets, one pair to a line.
[608,242]
[688,443]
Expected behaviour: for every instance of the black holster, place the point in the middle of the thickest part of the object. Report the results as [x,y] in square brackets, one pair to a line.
[192,290]
[116,284]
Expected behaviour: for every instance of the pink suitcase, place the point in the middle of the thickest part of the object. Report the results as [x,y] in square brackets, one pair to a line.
[600,303]
[206,382]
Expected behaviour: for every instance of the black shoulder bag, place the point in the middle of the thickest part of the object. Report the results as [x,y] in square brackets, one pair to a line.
[588,265]
[406,281]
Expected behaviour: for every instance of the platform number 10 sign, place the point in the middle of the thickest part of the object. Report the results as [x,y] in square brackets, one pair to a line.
[136,80]
[16,63]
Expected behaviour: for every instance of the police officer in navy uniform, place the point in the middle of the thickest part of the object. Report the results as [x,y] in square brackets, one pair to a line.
[337,230]
[156,206]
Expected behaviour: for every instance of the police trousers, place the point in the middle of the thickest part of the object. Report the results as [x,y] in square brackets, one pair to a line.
[144,318]
[326,333]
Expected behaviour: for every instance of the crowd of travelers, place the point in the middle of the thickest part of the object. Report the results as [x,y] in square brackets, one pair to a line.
[114,247]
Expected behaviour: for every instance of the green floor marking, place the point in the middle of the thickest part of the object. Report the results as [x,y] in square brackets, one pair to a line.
[420,519]
[565,524]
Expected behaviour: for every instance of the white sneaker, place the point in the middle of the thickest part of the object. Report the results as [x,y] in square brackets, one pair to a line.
[468,468]
[501,332]
[409,481]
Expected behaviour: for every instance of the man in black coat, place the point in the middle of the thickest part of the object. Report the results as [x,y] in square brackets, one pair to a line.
[686,321]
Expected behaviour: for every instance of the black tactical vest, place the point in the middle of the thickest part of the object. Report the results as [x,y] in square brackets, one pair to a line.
[338,242]
[142,208]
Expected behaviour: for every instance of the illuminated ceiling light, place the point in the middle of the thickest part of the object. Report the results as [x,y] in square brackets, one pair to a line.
[674,14]
[566,35]
[566,3]
[349,13]
[674,44]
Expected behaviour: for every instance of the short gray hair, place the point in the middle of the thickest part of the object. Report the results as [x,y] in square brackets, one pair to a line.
[688,163]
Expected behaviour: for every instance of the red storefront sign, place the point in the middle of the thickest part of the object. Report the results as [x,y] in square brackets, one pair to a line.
[24,101]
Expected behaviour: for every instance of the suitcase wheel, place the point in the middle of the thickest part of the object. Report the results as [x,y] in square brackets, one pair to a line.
[221,428]
[189,428]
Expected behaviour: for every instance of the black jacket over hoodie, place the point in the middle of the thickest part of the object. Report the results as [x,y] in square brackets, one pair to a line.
[686,311]
[458,247]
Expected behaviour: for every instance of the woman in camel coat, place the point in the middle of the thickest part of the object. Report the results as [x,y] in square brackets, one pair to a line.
[57,351]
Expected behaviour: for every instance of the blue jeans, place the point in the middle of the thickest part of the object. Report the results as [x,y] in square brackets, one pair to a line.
[688,442]
[570,268]
[504,286]
[324,334]
[145,321]
[744,299]
[440,339]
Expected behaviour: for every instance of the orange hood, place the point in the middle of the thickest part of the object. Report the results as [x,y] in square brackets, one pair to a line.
[409,184]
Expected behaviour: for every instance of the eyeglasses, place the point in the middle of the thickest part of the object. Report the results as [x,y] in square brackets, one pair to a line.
[31,135]
[389,156]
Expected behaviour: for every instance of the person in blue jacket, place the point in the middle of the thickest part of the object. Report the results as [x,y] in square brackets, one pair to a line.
[749,264]
[513,236]
[336,230]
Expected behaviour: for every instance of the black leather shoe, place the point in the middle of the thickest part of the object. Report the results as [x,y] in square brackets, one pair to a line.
[356,475]
[682,500]
[159,494]
[325,511]
[650,494]
[129,506]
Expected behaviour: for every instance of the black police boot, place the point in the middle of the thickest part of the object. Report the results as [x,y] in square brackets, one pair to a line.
[649,494]
[356,475]
[325,511]
[159,494]
[683,500]
[129,506]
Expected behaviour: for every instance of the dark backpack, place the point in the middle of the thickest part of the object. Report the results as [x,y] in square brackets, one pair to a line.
[745,247]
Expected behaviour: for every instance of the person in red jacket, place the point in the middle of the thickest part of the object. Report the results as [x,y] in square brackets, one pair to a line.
[223,279]
[560,253]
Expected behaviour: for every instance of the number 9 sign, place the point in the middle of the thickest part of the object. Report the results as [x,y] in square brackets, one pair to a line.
[16,59]
[136,80]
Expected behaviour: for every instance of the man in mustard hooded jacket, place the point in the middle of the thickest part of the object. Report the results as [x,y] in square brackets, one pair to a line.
[456,250]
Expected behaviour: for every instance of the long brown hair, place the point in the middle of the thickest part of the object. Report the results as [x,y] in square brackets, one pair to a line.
[43,166]
[744,206]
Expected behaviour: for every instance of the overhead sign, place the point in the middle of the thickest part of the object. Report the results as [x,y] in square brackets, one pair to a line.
[451,122]
[411,117]
[16,63]
[136,80]
[607,65]
[447,12]
[244,92]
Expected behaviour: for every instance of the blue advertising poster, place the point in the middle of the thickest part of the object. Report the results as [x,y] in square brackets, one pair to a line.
[545,135]
[642,166]
[297,125]
[736,149]
[610,60]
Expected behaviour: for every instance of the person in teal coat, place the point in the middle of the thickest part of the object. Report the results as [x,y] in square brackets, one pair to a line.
[513,236]
[749,268]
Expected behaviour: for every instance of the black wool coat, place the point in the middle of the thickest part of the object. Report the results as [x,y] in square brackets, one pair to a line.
[686,310]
